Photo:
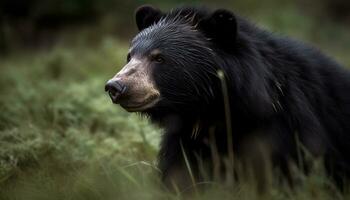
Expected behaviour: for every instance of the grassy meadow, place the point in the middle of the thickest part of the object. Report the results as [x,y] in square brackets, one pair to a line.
[62,138]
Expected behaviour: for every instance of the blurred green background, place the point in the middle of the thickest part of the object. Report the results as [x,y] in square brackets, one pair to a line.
[62,138]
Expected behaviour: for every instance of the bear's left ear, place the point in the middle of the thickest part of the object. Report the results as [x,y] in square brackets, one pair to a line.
[220,27]
[146,15]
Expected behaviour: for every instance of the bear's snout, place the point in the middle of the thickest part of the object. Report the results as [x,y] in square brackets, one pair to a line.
[115,89]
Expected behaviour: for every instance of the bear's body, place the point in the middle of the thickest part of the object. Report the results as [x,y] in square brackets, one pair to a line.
[274,90]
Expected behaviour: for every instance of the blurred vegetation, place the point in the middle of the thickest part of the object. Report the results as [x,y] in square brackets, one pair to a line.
[62,138]
[37,23]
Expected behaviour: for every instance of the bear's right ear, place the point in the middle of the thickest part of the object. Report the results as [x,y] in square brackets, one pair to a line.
[147,15]
[221,27]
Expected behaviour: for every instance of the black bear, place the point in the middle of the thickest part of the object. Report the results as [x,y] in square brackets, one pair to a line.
[220,86]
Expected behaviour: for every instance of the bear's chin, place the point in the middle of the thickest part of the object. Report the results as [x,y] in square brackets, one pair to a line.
[139,107]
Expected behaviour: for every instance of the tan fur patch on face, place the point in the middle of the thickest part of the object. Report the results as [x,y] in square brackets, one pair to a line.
[141,90]
[155,52]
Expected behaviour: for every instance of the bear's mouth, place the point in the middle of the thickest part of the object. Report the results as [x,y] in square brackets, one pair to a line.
[145,104]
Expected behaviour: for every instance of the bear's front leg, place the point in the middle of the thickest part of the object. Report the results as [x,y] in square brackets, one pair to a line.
[176,165]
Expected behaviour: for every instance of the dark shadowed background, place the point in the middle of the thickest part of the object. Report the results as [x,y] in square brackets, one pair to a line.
[35,23]
[62,138]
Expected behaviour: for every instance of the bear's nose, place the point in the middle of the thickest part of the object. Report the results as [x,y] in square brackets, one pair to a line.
[115,89]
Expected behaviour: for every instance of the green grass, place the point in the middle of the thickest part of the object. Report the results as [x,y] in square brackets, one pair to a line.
[56,121]
[62,138]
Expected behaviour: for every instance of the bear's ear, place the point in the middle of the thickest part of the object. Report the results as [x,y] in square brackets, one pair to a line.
[146,15]
[220,27]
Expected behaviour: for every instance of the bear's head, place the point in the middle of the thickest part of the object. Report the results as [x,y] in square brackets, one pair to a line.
[172,63]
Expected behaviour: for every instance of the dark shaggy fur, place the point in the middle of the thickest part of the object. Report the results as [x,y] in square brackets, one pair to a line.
[278,89]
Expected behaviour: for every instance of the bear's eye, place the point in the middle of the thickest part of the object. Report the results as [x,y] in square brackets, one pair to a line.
[157,58]
[128,57]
